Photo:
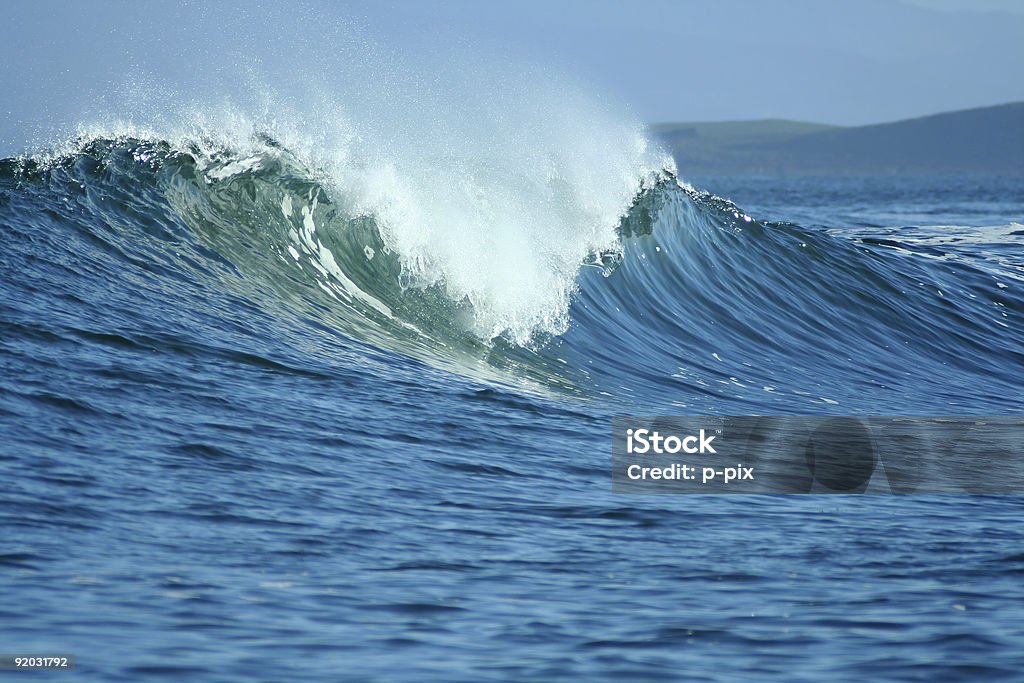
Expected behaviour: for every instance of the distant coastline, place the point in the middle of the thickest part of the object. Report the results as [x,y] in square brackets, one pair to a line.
[982,140]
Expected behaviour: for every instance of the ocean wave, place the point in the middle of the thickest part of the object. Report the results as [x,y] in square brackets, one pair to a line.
[646,291]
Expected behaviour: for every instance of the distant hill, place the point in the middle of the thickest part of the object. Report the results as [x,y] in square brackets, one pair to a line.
[988,139]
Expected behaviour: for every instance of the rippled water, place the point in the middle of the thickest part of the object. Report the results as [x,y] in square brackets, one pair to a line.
[246,435]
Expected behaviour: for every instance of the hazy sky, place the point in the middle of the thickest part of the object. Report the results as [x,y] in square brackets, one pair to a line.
[1013,6]
[836,61]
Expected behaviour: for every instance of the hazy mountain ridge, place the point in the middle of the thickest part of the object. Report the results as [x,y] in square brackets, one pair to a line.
[987,139]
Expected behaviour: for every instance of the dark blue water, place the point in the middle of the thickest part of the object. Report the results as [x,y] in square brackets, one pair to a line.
[224,460]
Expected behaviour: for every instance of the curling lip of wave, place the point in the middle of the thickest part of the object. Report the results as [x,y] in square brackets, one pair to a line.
[292,231]
[533,196]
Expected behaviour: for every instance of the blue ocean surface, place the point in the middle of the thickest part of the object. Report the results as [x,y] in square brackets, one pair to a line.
[262,420]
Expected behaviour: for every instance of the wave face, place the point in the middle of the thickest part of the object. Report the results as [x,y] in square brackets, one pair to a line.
[619,284]
[713,310]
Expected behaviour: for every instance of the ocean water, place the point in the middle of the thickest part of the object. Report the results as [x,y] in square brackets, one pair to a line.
[269,418]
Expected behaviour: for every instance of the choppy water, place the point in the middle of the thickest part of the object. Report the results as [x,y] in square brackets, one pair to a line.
[264,422]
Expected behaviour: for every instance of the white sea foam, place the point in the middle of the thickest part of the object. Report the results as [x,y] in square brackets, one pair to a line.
[495,181]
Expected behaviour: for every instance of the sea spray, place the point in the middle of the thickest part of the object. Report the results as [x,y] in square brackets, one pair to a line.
[492,181]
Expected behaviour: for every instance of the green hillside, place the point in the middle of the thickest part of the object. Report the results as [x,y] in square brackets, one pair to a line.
[989,139]
[739,131]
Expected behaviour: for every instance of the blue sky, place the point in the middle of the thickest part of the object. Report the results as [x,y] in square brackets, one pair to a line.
[842,61]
